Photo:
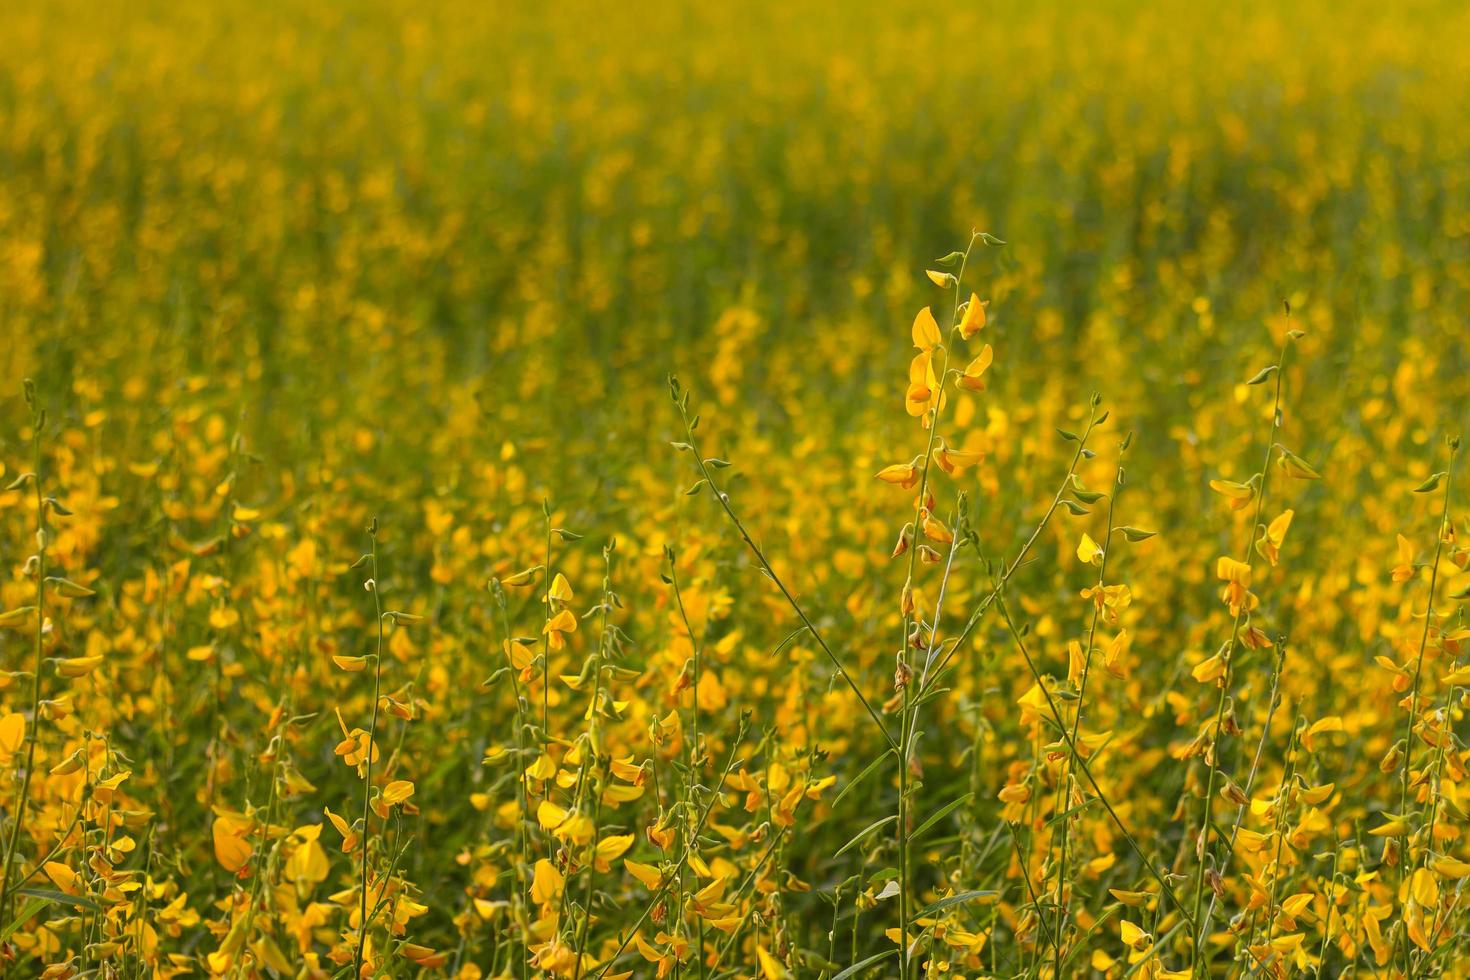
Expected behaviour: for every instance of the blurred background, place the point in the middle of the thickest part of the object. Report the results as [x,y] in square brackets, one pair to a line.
[434,262]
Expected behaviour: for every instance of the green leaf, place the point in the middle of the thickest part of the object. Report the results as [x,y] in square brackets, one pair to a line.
[31,908]
[811,959]
[941,813]
[1430,483]
[1262,376]
[60,898]
[858,839]
[787,642]
[959,899]
[1137,533]
[871,768]
[861,965]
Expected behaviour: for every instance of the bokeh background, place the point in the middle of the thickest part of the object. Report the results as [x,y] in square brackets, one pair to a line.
[434,262]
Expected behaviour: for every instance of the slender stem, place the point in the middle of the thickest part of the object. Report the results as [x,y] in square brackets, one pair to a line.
[1267,915]
[724,501]
[1413,712]
[523,891]
[1025,864]
[670,880]
[1087,771]
[593,741]
[725,947]
[1064,783]
[34,732]
[372,746]
[695,756]
[1273,702]
[1331,904]
[545,634]
[1212,756]
[985,605]
[906,721]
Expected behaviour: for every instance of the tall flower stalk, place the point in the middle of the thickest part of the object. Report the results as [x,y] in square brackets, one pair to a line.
[1237,574]
[37,565]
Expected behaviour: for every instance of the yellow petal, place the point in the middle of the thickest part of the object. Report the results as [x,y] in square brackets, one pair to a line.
[925,330]
[974,319]
[1088,550]
[646,873]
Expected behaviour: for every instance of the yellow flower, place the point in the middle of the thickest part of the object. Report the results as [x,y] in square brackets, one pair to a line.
[926,331]
[1268,545]
[973,377]
[558,628]
[973,320]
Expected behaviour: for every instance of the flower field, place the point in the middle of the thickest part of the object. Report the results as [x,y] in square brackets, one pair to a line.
[734,491]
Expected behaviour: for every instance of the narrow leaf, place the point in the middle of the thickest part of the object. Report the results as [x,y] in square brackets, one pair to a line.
[871,768]
[858,839]
[862,965]
[31,908]
[945,903]
[941,813]
[60,898]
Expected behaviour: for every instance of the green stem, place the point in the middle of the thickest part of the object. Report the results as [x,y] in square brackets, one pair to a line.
[1064,784]
[1413,711]
[34,732]
[367,781]
[1087,771]
[1212,759]
[724,501]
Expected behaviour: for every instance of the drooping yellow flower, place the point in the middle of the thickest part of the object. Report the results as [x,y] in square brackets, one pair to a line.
[546,883]
[1405,569]
[1268,545]
[558,628]
[232,846]
[904,475]
[954,461]
[1239,495]
[560,591]
[923,392]
[12,734]
[611,848]
[973,320]
[973,377]
[926,331]
[1133,936]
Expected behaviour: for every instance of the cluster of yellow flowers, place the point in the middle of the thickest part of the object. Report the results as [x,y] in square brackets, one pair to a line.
[476,499]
